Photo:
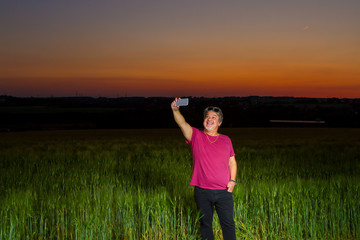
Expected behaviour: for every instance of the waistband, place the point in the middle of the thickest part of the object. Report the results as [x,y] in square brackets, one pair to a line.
[212,190]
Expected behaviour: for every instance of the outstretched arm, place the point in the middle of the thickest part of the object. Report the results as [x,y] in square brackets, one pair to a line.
[180,120]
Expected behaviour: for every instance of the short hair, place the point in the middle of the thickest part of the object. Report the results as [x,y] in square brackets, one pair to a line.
[216,110]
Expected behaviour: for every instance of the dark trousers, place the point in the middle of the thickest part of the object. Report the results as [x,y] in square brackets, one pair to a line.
[222,200]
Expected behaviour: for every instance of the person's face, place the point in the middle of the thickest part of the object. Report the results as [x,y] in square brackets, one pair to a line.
[211,121]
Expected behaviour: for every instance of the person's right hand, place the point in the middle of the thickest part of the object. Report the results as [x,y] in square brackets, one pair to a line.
[173,105]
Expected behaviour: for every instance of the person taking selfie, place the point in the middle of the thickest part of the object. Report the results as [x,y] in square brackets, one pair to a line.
[214,170]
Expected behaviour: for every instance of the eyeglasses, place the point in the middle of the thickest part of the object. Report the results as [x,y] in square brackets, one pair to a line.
[215,109]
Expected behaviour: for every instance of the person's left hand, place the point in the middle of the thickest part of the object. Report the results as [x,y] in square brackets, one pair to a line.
[230,186]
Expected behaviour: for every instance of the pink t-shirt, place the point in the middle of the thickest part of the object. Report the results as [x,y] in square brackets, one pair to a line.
[210,160]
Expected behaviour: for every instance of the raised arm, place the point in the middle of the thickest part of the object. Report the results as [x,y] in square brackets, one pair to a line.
[180,120]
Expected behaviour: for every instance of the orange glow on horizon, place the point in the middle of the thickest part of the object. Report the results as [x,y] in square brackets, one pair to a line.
[115,87]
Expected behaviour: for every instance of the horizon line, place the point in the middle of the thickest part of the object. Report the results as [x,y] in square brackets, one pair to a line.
[248,96]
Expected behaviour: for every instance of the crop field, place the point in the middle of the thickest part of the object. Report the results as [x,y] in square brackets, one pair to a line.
[293,183]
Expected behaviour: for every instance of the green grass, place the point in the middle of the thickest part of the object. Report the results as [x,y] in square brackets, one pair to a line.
[134,184]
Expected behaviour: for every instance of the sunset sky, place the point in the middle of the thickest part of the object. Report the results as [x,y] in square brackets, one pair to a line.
[171,48]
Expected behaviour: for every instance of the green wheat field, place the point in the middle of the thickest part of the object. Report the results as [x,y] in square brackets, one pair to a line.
[293,183]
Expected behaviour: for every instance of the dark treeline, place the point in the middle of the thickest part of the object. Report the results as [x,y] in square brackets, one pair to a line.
[18,114]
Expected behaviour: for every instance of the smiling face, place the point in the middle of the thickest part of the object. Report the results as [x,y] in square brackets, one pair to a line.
[211,121]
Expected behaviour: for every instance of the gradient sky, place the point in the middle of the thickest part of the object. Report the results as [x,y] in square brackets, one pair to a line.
[308,48]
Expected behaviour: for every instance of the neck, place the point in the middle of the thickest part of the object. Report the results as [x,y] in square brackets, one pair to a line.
[211,132]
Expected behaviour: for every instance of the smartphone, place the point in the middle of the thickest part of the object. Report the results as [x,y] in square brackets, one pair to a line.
[183,102]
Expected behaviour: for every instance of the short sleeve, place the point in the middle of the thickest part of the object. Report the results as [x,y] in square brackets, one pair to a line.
[232,152]
[194,135]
